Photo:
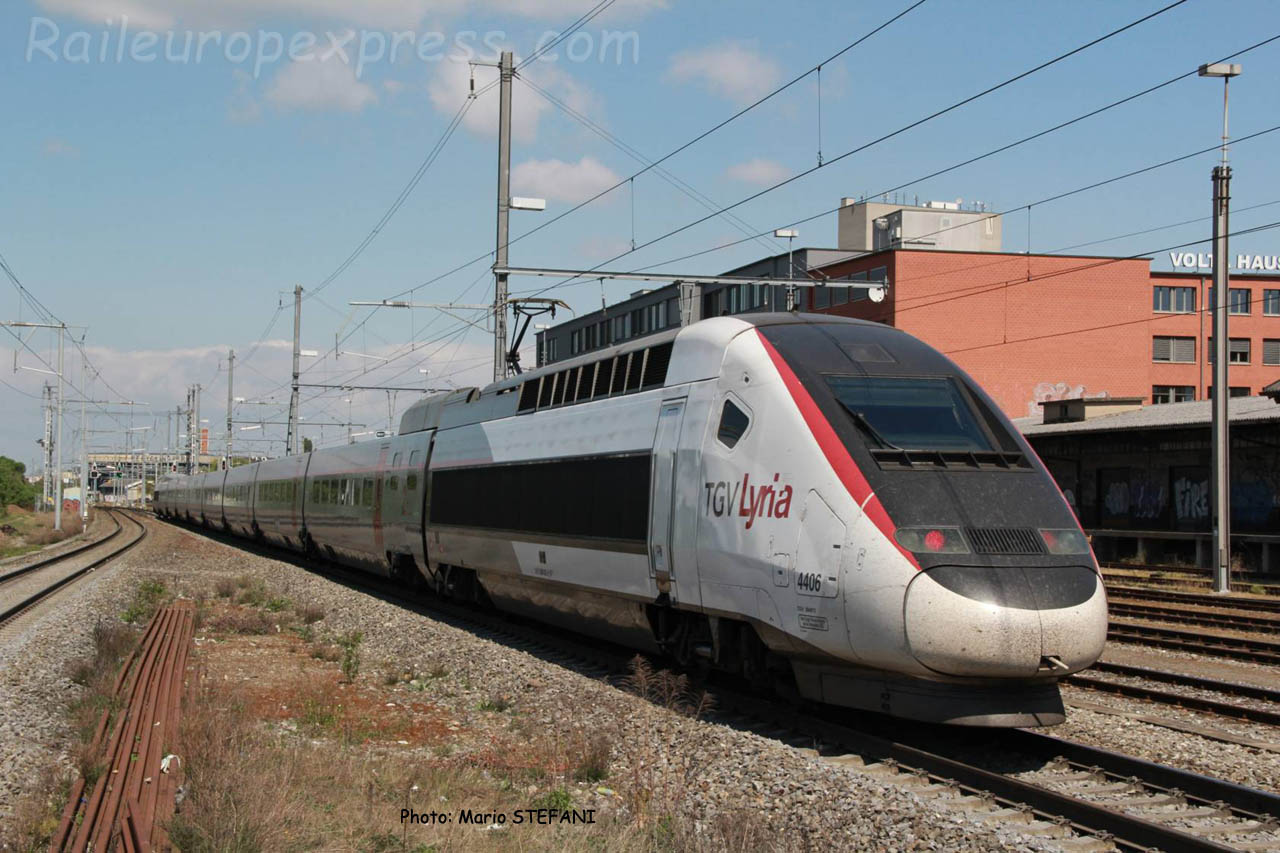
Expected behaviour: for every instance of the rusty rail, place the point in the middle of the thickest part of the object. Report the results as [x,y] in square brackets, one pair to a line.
[133,797]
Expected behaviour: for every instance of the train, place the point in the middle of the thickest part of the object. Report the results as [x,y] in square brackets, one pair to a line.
[823,506]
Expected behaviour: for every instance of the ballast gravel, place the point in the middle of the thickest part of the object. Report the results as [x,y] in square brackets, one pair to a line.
[707,769]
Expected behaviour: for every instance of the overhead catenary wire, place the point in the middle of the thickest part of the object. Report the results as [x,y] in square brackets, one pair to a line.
[885,137]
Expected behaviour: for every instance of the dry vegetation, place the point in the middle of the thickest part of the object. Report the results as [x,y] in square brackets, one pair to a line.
[36,815]
[292,744]
[23,531]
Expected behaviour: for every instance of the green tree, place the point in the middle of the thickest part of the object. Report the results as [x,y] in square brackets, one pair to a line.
[306,445]
[14,488]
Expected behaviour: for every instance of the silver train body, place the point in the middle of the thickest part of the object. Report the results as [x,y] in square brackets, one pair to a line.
[826,503]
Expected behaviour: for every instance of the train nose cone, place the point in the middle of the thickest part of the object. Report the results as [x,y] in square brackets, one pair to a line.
[1007,622]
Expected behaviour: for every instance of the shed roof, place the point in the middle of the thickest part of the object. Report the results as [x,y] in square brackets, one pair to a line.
[1163,416]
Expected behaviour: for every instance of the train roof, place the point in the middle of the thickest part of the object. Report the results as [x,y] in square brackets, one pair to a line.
[698,353]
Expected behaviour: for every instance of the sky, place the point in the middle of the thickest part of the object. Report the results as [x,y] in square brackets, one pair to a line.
[170,171]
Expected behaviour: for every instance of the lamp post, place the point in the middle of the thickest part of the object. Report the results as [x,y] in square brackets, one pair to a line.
[791,234]
[1221,384]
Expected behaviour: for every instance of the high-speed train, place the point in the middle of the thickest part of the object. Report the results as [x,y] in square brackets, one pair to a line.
[822,503]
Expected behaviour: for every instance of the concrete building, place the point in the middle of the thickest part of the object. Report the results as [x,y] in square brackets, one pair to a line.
[870,226]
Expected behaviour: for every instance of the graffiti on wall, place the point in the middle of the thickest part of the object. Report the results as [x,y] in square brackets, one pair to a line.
[1190,497]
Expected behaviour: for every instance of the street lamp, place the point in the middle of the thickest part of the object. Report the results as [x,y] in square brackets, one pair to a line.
[790,234]
[1221,385]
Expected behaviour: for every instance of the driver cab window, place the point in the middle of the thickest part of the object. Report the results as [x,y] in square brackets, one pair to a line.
[733,423]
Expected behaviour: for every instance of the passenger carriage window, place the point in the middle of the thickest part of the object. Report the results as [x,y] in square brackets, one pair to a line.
[733,423]
[411,482]
[394,484]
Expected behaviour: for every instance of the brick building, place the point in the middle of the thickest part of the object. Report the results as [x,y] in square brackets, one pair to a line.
[1031,328]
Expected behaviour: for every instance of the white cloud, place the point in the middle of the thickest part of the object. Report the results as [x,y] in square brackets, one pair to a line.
[320,85]
[560,181]
[734,70]
[759,171]
[451,83]
[54,147]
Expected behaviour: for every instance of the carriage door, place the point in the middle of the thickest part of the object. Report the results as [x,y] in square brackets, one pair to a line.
[670,417]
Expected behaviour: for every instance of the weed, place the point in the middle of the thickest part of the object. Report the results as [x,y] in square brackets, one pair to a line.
[225,587]
[593,762]
[326,652]
[241,620]
[318,714]
[254,595]
[305,633]
[438,670]
[309,613]
[495,702]
[666,688]
[277,603]
[146,601]
[1257,589]
[350,645]
[555,799]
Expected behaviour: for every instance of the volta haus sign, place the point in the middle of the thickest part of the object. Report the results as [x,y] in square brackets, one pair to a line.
[1204,261]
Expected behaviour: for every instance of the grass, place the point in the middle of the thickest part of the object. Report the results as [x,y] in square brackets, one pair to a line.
[149,595]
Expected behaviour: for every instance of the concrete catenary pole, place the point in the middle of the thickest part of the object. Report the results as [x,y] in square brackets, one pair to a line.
[1221,386]
[1221,346]
[506,71]
[57,447]
[291,443]
[84,437]
[231,372]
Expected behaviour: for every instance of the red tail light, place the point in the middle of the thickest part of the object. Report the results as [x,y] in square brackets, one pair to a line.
[932,540]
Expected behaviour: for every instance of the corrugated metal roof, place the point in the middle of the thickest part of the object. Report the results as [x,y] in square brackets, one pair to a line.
[1163,416]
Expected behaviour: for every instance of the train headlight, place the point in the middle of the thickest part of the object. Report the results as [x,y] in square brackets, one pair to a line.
[1065,541]
[932,540]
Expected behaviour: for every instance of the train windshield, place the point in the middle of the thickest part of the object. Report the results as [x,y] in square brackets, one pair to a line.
[911,413]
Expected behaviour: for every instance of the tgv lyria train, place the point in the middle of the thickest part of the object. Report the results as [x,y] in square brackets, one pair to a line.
[824,502]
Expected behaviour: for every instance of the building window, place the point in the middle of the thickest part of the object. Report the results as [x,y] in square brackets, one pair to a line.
[1233,391]
[1271,303]
[1271,351]
[1238,351]
[1167,348]
[1172,393]
[821,297]
[1174,300]
[839,296]
[1237,300]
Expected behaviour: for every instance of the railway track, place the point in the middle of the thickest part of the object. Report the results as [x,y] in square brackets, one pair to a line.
[1192,701]
[1236,648]
[1046,785]
[24,588]
[1250,605]
[1231,621]
[1195,581]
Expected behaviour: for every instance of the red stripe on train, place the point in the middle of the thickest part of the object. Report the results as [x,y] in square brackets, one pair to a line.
[834,450]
